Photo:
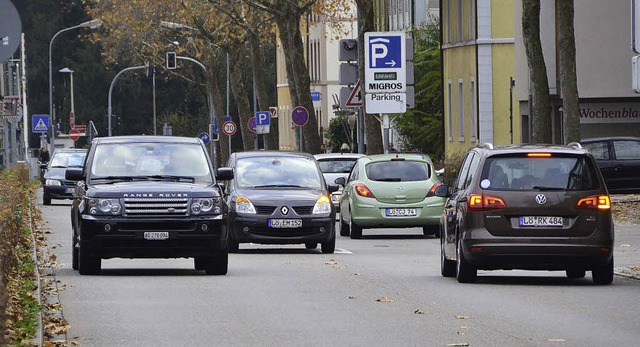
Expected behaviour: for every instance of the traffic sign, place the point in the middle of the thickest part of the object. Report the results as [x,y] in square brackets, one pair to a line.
[263,122]
[204,137]
[229,128]
[384,57]
[355,99]
[386,103]
[74,134]
[40,123]
[299,116]
[251,124]
[273,111]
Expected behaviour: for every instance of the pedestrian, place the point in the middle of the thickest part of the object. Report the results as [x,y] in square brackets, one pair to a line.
[44,155]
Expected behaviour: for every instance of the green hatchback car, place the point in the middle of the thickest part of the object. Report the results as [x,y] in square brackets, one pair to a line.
[398,190]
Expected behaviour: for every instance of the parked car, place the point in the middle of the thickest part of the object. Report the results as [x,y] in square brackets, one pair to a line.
[56,186]
[531,207]
[619,161]
[335,165]
[149,197]
[398,190]
[279,197]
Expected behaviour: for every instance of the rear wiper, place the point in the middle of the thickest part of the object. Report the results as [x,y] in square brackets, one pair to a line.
[279,186]
[543,188]
[173,177]
[389,179]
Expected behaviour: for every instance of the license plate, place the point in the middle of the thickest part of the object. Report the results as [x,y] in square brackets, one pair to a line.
[540,221]
[285,223]
[400,212]
[70,190]
[156,235]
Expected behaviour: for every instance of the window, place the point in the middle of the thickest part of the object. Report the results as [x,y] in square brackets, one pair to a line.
[472,20]
[599,150]
[464,170]
[460,110]
[460,16]
[472,107]
[449,24]
[627,150]
[398,171]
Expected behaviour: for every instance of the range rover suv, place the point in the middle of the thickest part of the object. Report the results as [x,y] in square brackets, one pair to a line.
[148,197]
[531,207]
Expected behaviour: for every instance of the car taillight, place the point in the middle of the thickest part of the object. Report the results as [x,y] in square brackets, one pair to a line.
[485,203]
[539,155]
[432,191]
[362,190]
[596,202]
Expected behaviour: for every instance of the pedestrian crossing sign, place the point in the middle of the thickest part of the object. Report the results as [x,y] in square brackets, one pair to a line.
[40,123]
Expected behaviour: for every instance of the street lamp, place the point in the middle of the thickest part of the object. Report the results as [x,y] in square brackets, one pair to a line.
[72,115]
[92,24]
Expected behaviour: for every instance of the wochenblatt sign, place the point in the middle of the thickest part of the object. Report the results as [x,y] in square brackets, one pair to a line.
[609,113]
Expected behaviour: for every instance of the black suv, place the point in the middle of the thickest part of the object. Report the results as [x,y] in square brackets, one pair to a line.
[532,207]
[148,197]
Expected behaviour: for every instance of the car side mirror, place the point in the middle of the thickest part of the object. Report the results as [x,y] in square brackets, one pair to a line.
[340,181]
[74,174]
[442,191]
[333,188]
[224,174]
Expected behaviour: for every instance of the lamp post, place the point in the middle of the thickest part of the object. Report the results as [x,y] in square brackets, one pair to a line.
[113,82]
[93,24]
[72,115]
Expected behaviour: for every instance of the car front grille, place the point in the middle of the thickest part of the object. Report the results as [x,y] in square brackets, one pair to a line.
[303,210]
[268,210]
[156,207]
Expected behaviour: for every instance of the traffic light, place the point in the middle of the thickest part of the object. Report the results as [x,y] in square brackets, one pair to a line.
[171,60]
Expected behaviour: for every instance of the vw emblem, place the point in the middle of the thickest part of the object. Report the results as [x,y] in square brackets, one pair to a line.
[399,188]
[541,199]
[284,210]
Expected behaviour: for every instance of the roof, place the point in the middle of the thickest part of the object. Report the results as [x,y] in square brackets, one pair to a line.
[338,155]
[607,138]
[145,138]
[532,147]
[407,155]
[270,153]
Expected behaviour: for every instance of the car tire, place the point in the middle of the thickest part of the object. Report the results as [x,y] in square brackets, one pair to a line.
[87,264]
[355,232]
[74,252]
[434,230]
[576,273]
[603,274]
[46,200]
[234,246]
[311,245]
[447,267]
[329,246]
[465,272]
[217,265]
[344,228]
[199,263]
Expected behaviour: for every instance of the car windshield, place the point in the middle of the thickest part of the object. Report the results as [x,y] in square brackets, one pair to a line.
[398,171]
[539,173]
[134,160]
[275,171]
[68,159]
[336,165]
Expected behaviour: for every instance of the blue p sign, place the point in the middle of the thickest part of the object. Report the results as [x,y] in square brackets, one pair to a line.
[263,118]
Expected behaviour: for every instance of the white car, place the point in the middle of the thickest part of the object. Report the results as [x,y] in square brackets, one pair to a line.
[334,165]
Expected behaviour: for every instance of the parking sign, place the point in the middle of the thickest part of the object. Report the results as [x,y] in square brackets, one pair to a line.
[385,66]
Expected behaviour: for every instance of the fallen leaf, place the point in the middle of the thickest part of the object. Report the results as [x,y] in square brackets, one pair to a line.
[557,340]
[352,297]
[458,344]
[624,245]
[384,299]
[462,317]
[331,262]
[417,311]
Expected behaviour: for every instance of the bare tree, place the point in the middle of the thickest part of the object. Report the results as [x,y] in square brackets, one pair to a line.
[541,101]
[568,77]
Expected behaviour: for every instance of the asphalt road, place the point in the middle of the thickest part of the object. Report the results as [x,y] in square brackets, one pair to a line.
[382,290]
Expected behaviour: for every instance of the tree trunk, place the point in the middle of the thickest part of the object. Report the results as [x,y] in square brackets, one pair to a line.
[373,130]
[288,20]
[214,67]
[541,102]
[261,79]
[568,77]
[237,65]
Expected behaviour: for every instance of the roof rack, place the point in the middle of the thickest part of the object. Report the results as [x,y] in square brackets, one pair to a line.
[575,144]
[488,145]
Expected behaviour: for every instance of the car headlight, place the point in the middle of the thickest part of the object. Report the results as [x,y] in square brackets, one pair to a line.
[244,205]
[104,206]
[52,183]
[206,205]
[322,206]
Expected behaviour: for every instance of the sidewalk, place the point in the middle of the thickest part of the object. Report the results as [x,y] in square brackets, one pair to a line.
[627,251]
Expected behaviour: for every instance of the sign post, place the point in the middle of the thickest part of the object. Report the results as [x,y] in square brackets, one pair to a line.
[229,128]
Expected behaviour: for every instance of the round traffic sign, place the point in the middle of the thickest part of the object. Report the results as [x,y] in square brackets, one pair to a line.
[229,128]
[299,116]
[251,124]
[74,134]
[205,137]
